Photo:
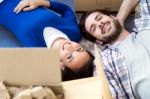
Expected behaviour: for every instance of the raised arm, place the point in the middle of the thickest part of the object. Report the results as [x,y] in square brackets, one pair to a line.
[126,7]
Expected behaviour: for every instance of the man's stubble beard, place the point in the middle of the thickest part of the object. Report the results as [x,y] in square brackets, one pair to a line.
[114,35]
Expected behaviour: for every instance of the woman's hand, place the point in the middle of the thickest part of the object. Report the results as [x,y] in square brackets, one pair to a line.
[27,5]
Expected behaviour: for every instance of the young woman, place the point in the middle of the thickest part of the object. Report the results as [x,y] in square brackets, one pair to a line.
[48,28]
[28,26]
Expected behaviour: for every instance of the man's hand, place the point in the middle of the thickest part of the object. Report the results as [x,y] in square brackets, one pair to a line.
[27,5]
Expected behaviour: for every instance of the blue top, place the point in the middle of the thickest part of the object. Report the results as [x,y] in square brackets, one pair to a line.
[28,26]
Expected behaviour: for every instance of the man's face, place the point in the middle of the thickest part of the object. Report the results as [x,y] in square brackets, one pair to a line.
[72,55]
[102,27]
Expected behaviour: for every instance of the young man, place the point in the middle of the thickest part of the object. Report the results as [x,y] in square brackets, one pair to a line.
[125,55]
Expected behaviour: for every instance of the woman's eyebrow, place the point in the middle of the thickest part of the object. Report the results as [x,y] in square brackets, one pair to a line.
[71,59]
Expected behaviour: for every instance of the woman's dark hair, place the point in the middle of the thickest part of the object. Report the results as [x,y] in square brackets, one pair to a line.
[82,23]
[86,71]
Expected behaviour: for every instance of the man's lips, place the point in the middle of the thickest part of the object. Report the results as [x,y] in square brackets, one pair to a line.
[105,27]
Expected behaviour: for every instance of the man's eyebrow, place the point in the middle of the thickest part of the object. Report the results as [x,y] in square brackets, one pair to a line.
[97,16]
[95,19]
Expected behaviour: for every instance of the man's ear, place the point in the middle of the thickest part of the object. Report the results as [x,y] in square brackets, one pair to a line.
[121,22]
[99,42]
[113,17]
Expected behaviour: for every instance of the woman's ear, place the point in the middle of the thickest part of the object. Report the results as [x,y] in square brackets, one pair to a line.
[99,42]
[62,65]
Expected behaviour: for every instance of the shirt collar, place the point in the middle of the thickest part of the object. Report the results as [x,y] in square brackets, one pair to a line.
[112,47]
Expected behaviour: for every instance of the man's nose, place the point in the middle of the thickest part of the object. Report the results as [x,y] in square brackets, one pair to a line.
[101,24]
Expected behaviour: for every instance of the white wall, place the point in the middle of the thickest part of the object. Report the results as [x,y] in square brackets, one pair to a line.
[85,5]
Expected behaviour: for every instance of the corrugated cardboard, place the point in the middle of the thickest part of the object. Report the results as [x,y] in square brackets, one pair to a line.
[40,66]
[86,88]
[30,66]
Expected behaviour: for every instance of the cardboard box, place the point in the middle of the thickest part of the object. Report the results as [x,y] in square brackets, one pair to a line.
[86,88]
[31,66]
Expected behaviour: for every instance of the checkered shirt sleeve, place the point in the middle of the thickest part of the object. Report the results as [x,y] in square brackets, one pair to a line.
[117,74]
[142,18]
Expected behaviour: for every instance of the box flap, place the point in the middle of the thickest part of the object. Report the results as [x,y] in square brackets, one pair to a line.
[30,66]
[86,88]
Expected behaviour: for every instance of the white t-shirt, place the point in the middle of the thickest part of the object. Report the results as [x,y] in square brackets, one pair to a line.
[1,1]
[50,34]
[136,51]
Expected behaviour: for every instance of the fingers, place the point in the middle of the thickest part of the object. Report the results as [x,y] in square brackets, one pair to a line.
[28,8]
[20,6]
[16,8]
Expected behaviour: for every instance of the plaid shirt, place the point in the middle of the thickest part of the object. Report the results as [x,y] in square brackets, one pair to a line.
[114,62]
[116,72]
[142,22]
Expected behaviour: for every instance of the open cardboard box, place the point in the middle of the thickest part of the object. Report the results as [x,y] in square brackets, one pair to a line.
[40,66]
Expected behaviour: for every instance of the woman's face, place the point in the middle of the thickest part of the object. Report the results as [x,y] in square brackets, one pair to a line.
[72,55]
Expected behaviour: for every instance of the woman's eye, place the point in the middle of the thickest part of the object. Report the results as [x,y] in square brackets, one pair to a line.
[69,57]
[80,49]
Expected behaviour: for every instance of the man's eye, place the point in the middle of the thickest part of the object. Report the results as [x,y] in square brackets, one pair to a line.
[99,17]
[93,29]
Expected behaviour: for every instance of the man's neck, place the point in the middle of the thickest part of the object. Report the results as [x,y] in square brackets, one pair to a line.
[124,33]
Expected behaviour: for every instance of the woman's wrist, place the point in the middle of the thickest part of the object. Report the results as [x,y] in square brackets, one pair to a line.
[44,3]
